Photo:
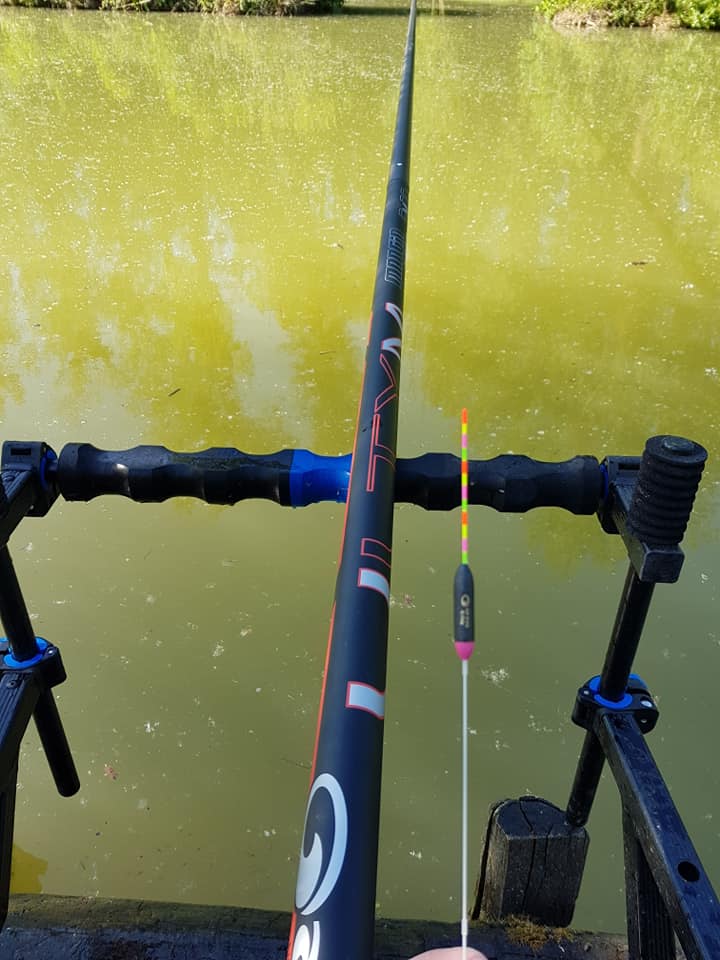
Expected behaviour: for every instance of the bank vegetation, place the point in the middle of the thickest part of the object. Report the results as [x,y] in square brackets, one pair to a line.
[572,14]
[278,8]
[659,14]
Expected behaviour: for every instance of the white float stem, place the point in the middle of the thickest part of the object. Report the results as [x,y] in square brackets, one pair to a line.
[464,914]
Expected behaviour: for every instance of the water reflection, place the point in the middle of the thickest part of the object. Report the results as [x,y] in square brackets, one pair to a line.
[190,211]
[27,871]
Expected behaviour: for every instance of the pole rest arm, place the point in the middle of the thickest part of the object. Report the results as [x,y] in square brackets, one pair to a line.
[22,684]
[30,663]
[25,691]
[668,890]
[297,478]
[648,501]
[590,707]
[623,491]
[28,487]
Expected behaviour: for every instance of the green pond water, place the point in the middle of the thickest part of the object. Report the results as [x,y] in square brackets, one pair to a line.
[189,219]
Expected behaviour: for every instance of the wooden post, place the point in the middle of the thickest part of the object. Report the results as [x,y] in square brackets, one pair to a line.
[532,864]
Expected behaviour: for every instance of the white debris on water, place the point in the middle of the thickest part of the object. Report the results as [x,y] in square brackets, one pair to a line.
[537,726]
[496,676]
[405,601]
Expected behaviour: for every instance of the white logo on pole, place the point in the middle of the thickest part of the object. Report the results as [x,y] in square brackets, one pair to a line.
[396,313]
[313,888]
[305,946]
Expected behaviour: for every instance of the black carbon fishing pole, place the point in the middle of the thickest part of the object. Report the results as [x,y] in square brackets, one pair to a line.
[334,915]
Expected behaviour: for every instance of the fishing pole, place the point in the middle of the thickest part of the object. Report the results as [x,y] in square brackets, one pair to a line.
[334,914]
[464,637]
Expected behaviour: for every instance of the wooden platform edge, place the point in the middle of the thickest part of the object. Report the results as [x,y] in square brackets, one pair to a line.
[41,927]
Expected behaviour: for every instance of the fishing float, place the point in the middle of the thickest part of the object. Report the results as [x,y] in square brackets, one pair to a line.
[464,638]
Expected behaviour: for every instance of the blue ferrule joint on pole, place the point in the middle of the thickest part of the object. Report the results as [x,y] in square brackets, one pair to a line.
[14,664]
[314,478]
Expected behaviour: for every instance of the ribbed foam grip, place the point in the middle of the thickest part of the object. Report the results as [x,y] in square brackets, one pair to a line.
[667,482]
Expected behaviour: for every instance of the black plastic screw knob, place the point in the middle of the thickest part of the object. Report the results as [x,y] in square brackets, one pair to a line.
[667,482]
